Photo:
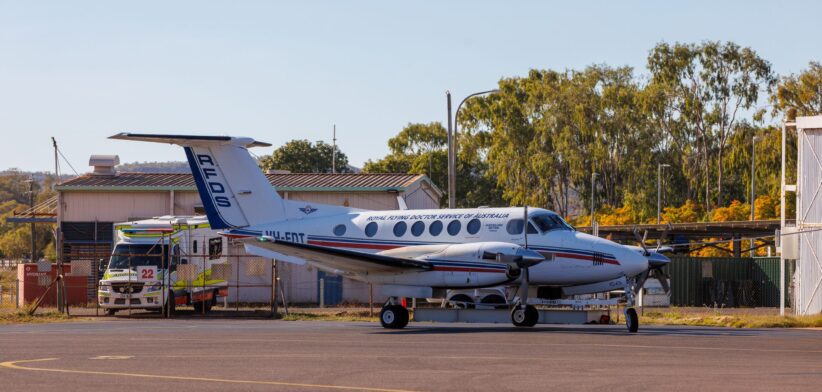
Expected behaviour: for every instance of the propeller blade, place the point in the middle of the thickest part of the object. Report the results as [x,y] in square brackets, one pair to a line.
[641,240]
[664,235]
[662,277]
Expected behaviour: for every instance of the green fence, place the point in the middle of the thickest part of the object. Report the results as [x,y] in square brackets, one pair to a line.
[728,282]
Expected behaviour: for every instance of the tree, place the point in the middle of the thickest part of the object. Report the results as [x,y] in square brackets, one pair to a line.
[707,87]
[423,149]
[302,156]
[549,131]
[799,95]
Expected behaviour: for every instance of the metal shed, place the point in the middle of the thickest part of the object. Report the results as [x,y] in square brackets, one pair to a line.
[804,241]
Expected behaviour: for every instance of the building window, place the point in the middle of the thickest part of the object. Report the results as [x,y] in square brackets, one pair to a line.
[399,228]
[371,229]
[339,230]
[417,228]
[435,228]
[454,227]
[473,226]
[514,226]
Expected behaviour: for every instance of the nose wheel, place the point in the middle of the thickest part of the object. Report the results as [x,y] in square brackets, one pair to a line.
[631,320]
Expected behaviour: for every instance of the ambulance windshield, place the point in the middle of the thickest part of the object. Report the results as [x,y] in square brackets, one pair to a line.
[131,255]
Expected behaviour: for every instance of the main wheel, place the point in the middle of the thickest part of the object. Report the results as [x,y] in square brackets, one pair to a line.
[527,316]
[394,317]
[631,320]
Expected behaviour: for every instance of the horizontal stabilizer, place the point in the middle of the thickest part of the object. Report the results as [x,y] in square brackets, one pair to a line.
[190,140]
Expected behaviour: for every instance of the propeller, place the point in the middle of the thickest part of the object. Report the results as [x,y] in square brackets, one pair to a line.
[656,261]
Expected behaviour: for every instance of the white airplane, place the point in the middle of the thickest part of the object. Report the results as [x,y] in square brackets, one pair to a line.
[408,252]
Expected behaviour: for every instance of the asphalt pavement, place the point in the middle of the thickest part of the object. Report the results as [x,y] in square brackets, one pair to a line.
[221,354]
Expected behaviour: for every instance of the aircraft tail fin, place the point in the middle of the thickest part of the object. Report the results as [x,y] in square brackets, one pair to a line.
[234,191]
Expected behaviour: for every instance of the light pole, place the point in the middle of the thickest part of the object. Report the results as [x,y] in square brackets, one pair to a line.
[753,176]
[659,168]
[593,190]
[452,145]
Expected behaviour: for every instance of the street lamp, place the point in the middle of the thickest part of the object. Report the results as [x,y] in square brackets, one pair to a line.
[659,168]
[452,145]
[593,185]
[753,175]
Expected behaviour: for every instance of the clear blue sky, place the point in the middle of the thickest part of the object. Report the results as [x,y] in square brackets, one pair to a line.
[81,71]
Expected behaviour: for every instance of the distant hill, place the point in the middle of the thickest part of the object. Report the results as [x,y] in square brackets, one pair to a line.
[155,167]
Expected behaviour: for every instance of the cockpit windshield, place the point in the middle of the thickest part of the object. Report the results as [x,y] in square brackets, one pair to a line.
[130,255]
[549,221]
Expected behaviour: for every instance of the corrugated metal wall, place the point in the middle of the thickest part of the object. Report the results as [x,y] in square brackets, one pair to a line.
[809,222]
[729,282]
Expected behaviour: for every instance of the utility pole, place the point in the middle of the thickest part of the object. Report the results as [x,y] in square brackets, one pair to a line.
[334,151]
[659,168]
[753,177]
[453,145]
[593,189]
[452,187]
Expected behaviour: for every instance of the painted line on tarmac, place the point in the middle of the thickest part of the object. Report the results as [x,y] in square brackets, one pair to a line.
[14,365]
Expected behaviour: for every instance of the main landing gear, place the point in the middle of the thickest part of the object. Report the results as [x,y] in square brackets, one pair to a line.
[393,315]
[524,315]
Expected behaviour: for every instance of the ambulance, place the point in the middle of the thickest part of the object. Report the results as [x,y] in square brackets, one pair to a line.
[162,263]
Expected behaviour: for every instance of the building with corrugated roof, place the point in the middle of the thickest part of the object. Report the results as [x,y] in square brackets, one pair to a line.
[88,206]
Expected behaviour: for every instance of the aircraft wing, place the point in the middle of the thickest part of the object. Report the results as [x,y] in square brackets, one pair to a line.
[345,261]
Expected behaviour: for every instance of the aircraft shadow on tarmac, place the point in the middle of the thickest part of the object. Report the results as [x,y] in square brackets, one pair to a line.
[613,330]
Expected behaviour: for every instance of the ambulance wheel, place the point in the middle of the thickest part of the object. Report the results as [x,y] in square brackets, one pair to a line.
[111,312]
[527,316]
[394,317]
[631,320]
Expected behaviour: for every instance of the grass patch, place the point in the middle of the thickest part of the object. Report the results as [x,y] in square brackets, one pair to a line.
[345,315]
[22,317]
[716,319]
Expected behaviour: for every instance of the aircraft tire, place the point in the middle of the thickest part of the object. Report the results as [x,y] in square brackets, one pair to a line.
[631,320]
[394,317]
[524,317]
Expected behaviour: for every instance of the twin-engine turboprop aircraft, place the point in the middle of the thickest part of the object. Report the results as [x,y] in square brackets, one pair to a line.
[408,252]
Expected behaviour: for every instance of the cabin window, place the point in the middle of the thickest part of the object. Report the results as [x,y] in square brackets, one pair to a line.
[549,222]
[532,229]
[417,228]
[454,227]
[473,226]
[399,228]
[194,247]
[514,226]
[339,230]
[435,228]
[371,229]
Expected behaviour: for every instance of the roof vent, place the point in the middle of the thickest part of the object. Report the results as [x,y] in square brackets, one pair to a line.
[104,164]
[277,171]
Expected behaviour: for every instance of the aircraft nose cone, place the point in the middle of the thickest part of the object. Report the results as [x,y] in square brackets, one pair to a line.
[633,263]
[656,259]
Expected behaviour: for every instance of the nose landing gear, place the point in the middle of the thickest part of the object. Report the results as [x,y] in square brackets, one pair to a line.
[631,318]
